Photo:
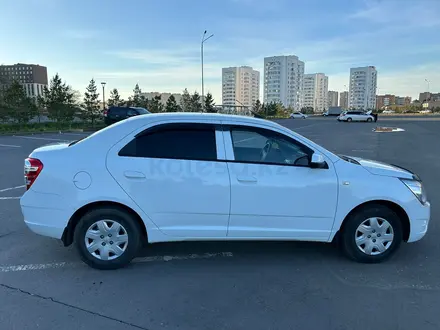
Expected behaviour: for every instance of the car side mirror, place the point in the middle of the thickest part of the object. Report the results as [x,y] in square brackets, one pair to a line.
[318,161]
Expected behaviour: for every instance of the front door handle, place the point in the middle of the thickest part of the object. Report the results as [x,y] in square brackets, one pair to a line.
[246,178]
[134,175]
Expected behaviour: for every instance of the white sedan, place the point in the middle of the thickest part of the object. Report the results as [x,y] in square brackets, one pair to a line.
[298,115]
[356,116]
[189,176]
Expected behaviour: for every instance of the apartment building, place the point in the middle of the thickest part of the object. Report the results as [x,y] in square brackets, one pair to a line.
[386,100]
[343,100]
[283,81]
[240,86]
[362,90]
[32,77]
[332,99]
[315,91]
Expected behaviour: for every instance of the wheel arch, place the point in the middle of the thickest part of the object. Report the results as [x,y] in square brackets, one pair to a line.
[401,213]
[68,233]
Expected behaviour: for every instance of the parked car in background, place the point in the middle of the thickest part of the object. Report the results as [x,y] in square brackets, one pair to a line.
[190,176]
[349,116]
[114,114]
[388,111]
[298,115]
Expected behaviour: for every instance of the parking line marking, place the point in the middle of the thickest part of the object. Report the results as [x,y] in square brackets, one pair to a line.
[54,265]
[12,188]
[4,198]
[38,138]
[9,146]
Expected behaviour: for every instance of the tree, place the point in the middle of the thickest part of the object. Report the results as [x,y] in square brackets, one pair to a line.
[59,100]
[307,110]
[271,109]
[115,99]
[185,101]
[171,105]
[209,103]
[136,98]
[17,105]
[91,102]
[195,104]
[144,102]
[156,104]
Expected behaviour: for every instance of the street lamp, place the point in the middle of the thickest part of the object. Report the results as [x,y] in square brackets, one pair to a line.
[204,38]
[103,95]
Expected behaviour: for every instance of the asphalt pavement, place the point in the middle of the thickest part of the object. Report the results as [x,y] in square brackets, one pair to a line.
[228,285]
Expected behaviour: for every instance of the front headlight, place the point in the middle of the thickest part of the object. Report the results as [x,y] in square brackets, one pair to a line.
[417,189]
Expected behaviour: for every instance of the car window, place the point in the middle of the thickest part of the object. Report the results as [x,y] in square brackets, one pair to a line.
[131,112]
[268,147]
[141,111]
[195,143]
[117,111]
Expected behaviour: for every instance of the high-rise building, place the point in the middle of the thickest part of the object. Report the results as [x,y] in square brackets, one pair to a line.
[332,99]
[315,91]
[343,100]
[283,81]
[362,90]
[240,86]
[32,77]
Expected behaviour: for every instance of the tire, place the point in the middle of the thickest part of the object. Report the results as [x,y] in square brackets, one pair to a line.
[349,119]
[369,120]
[350,231]
[111,215]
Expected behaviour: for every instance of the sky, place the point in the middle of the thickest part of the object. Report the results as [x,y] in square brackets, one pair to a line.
[156,43]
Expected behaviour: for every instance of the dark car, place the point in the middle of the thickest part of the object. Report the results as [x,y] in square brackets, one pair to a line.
[115,114]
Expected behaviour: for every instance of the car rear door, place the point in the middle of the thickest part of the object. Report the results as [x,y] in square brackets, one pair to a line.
[277,197]
[175,173]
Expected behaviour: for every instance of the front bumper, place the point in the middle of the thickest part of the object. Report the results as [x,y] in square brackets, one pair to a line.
[419,223]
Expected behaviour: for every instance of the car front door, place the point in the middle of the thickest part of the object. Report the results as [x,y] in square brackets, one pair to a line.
[274,191]
[172,172]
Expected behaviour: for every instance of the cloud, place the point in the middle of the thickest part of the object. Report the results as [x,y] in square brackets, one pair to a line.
[80,34]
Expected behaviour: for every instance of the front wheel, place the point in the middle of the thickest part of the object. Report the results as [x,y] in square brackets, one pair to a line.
[369,120]
[349,119]
[107,238]
[371,234]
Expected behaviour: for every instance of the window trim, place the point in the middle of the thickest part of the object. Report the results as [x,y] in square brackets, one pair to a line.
[227,131]
[178,125]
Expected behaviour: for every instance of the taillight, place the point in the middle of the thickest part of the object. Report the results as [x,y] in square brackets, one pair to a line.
[32,168]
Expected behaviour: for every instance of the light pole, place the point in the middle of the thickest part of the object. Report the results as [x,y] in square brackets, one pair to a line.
[103,95]
[204,38]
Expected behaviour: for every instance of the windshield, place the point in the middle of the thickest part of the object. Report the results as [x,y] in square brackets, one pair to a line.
[142,111]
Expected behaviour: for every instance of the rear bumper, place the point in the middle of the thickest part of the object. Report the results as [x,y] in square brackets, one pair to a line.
[43,214]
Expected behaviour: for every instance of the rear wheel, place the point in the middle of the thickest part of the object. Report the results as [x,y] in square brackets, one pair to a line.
[349,119]
[107,238]
[372,234]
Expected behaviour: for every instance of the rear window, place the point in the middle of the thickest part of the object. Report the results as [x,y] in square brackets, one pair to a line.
[174,143]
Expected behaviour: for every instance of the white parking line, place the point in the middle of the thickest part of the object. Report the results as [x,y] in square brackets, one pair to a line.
[54,265]
[38,138]
[5,198]
[12,188]
[9,146]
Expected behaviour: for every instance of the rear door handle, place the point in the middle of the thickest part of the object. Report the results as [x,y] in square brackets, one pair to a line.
[246,178]
[134,175]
